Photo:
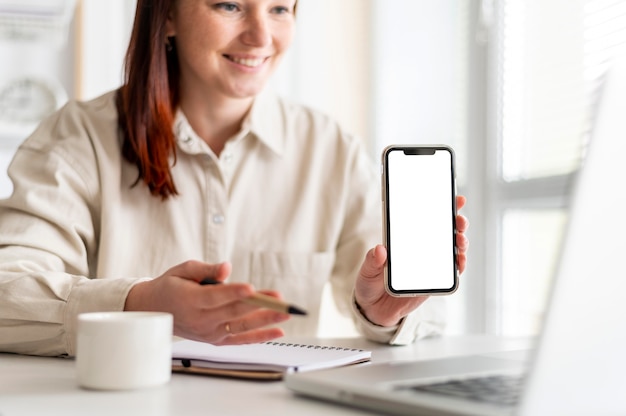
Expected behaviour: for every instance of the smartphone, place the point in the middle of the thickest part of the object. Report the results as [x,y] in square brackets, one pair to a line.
[419,215]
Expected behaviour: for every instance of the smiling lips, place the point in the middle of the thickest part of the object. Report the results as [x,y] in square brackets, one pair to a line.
[249,62]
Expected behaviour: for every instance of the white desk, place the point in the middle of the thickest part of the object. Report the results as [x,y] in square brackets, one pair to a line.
[47,386]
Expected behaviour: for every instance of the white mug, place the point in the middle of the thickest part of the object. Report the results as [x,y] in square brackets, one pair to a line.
[124,350]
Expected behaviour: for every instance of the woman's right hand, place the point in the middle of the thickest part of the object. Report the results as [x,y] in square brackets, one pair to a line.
[211,313]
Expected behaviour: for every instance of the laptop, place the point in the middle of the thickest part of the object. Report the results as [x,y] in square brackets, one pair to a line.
[578,365]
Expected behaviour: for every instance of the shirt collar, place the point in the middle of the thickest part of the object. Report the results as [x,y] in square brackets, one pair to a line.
[265,121]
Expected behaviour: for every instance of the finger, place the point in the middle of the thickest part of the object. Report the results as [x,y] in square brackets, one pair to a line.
[460,201]
[253,321]
[273,293]
[252,337]
[233,319]
[462,261]
[462,242]
[218,272]
[462,223]
[242,306]
[197,270]
[374,262]
[218,296]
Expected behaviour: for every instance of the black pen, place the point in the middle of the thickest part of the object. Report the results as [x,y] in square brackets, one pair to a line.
[265,301]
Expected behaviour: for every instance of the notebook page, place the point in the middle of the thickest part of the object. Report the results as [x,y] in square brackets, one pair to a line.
[270,356]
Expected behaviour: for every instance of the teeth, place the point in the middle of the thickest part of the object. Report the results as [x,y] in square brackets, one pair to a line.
[252,63]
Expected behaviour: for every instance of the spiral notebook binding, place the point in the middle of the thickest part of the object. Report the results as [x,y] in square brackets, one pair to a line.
[310,346]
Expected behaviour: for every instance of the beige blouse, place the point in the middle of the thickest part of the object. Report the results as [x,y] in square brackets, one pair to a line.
[293,202]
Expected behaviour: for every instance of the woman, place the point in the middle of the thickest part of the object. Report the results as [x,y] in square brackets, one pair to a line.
[189,168]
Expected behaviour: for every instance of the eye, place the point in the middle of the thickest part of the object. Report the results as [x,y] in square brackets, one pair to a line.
[281,10]
[227,7]
[283,7]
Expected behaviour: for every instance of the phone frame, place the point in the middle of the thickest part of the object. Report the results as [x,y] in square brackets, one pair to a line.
[416,150]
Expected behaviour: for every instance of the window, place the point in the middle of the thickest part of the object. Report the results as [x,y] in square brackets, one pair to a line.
[548,58]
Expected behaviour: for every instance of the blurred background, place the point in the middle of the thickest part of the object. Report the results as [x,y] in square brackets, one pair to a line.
[511,85]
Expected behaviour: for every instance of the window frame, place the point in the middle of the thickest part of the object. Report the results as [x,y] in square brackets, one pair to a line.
[550,192]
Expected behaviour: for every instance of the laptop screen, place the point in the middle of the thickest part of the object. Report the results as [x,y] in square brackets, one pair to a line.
[580,367]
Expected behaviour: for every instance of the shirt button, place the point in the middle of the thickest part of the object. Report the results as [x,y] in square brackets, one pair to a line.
[218,219]
[228,157]
[187,139]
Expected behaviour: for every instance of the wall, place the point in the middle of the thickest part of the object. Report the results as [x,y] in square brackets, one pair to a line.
[46,56]
[328,67]
[86,63]
[104,33]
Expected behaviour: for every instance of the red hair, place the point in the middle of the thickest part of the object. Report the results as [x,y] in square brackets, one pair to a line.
[147,100]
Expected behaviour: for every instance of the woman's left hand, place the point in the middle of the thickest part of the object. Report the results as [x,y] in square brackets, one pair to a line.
[375,303]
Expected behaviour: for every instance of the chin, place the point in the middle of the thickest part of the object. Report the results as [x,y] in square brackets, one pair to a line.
[247,90]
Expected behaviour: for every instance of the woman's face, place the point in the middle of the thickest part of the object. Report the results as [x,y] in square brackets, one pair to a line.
[230,47]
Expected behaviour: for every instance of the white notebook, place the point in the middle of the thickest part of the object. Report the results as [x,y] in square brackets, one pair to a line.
[268,360]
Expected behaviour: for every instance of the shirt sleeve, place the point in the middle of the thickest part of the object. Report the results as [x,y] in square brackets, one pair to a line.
[48,234]
[426,321]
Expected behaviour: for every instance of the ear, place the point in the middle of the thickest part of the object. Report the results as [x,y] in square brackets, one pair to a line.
[170,29]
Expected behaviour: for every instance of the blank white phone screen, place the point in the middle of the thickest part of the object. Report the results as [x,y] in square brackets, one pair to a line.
[421,221]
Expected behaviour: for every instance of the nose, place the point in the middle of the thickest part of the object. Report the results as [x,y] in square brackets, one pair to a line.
[257,32]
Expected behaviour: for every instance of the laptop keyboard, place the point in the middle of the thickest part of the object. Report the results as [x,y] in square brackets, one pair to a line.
[502,390]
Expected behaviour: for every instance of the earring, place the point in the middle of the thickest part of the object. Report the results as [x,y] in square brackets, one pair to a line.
[168,43]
